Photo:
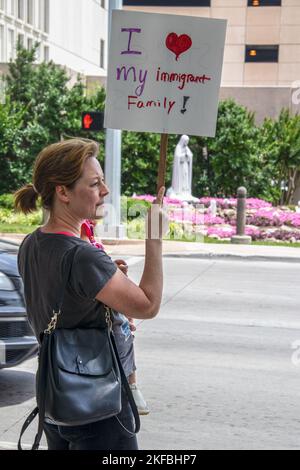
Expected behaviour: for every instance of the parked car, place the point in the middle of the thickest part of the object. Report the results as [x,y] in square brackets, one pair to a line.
[17,342]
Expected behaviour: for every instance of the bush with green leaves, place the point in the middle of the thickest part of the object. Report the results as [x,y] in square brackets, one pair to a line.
[280,143]
[7,201]
[9,217]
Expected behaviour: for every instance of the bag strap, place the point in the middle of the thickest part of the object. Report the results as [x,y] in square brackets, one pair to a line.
[66,277]
[27,423]
[127,390]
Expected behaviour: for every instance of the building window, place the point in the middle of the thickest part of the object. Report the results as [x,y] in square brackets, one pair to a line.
[2,5]
[46,53]
[1,43]
[102,53]
[21,39]
[46,15]
[262,53]
[41,14]
[30,11]
[29,43]
[102,3]
[11,7]
[167,3]
[264,3]
[21,9]
[10,43]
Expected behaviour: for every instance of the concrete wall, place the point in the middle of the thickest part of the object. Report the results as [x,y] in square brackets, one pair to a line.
[264,101]
[71,38]
[76,28]
[252,26]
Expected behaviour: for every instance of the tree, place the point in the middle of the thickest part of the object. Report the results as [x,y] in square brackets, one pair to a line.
[11,120]
[281,144]
[233,154]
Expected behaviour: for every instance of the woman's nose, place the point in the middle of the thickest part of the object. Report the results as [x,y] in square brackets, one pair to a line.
[104,190]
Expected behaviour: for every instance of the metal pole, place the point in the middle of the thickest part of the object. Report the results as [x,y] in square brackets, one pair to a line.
[112,222]
[240,238]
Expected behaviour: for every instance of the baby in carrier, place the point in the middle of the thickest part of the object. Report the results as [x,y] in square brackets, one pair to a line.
[123,328]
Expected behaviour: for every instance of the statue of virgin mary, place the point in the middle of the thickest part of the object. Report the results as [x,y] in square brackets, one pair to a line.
[182,172]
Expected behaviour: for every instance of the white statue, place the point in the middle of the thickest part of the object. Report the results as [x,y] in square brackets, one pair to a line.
[182,172]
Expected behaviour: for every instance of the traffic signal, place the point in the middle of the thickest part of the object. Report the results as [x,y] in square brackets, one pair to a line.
[92,121]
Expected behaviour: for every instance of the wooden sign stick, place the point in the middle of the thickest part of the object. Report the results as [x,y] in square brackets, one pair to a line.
[162,169]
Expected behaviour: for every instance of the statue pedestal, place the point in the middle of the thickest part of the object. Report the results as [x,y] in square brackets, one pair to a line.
[188,198]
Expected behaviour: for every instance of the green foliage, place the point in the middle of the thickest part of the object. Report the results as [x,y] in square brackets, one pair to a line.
[140,160]
[133,208]
[9,217]
[11,119]
[280,141]
[233,156]
[7,201]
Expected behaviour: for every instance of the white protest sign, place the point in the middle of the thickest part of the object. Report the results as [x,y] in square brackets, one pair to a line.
[164,73]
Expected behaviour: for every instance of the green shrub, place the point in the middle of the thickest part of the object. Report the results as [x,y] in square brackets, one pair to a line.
[133,208]
[13,218]
[136,229]
[7,201]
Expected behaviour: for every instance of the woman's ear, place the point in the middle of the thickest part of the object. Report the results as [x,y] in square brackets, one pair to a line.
[61,192]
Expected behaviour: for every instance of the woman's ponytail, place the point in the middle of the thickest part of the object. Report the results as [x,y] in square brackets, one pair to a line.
[26,199]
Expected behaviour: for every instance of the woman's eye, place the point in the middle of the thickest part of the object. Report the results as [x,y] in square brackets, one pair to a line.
[98,183]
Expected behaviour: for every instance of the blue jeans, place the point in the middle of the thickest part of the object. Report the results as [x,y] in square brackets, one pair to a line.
[101,435]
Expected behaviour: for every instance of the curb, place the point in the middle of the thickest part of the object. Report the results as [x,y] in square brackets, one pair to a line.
[231,257]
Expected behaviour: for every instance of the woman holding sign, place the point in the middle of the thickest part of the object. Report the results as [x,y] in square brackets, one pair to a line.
[70,183]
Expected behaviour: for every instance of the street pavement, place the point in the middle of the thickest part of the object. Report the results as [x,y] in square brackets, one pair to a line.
[217,365]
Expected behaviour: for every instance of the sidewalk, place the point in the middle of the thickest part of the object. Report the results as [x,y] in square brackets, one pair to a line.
[194,250]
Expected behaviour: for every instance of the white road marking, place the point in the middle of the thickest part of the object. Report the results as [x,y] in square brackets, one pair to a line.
[235,322]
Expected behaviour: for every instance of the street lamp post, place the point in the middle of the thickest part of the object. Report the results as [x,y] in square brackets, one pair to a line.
[112,222]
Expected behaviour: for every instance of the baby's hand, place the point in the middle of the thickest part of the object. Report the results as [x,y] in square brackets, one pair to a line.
[131,324]
[122,265]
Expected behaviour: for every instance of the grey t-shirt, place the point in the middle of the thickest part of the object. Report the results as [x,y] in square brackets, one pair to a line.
[42,262]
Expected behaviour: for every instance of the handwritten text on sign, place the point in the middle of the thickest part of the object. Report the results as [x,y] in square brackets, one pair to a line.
[164,73]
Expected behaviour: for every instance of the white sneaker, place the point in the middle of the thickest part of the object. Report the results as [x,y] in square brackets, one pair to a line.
[139,400]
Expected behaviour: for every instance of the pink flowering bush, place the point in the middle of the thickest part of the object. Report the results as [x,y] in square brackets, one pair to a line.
[220,232]
[213,220]
[274,218]
[264,222]
[186,216]
[167,200]
[231,203]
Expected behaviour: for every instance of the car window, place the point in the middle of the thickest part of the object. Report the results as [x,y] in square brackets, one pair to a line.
[6,246]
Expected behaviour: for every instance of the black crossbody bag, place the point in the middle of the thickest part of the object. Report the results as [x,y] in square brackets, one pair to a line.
[80,375]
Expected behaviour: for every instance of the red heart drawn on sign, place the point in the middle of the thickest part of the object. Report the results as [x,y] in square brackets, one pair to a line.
[178,44]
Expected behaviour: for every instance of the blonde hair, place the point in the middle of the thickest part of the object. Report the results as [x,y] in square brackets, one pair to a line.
[59,164]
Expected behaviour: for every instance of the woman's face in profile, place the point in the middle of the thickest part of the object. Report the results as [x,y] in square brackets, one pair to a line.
[87,197]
